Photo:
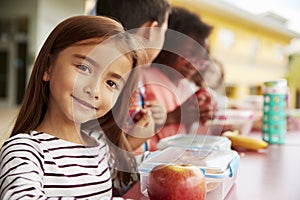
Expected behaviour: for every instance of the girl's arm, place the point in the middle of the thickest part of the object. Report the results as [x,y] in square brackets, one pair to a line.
[153,118]
[142,130]
[21,167]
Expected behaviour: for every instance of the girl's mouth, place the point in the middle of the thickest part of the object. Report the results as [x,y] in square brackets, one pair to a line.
[84,103]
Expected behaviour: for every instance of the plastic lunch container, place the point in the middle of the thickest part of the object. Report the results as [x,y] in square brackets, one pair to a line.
[219,166]
[232,119]
[192,140]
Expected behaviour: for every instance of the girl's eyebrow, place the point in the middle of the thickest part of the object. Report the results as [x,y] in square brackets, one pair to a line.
[90,60]
[117,76]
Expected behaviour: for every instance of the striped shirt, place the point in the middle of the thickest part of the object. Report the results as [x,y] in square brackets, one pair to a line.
[41,166]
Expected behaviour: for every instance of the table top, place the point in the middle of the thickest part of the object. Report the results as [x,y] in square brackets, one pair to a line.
[272,173]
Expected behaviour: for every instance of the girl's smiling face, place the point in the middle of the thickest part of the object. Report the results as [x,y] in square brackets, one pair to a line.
[85,81]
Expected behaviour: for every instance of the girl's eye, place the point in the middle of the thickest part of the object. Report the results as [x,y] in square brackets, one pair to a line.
[84,68]
[112,84]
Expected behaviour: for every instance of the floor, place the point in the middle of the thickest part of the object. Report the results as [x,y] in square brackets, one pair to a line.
[7,116]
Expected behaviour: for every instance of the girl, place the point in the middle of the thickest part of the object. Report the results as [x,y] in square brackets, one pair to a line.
[84,65]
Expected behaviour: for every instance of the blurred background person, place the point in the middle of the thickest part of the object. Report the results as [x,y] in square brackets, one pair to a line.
[168,78]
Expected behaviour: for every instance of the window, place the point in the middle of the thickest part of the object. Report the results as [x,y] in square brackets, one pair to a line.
[278,52]
[226,38]
[254,51]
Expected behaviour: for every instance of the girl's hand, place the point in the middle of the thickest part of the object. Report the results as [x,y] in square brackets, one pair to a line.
[158,111]
[144,127]
[144,117]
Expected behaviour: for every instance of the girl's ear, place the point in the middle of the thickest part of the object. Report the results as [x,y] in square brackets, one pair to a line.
[46,75]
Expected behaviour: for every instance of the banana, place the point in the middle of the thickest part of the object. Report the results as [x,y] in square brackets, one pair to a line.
[241,141]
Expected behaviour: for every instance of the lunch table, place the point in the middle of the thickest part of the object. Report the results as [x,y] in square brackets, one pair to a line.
[267,174]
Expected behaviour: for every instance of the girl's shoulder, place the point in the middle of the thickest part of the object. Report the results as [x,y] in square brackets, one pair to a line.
[23,141]
[32,138]
[34,142]
[22,146]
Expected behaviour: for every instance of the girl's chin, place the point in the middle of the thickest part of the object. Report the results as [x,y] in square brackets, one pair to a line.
[83,116]
[81,119]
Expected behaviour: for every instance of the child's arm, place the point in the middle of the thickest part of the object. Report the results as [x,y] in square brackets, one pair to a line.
[142,130]
[21,170]
[158,111]
[153,117]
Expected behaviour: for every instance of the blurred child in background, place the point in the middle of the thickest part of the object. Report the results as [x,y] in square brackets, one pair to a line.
[167,80]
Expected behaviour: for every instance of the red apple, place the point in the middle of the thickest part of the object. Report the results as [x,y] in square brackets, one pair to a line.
[176,182]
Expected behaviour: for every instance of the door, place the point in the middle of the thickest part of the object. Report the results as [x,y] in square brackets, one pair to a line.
[6,74]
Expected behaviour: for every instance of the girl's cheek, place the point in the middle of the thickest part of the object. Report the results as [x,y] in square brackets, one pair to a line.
[111,100]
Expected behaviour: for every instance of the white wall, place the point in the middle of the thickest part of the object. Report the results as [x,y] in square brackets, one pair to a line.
[50,13]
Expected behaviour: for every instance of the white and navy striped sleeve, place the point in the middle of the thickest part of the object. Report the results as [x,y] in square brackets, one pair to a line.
[21,169]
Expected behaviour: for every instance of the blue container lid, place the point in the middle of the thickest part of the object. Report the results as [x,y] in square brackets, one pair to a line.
[195,140]
[214,163]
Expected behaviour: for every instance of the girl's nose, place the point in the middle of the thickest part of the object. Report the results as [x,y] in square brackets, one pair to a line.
[93,91]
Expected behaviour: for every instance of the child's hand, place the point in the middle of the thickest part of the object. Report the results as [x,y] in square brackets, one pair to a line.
[144,127]
[158,111]
[143,117]
[207,105]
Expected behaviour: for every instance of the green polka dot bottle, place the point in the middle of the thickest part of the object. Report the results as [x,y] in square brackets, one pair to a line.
[274,111]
